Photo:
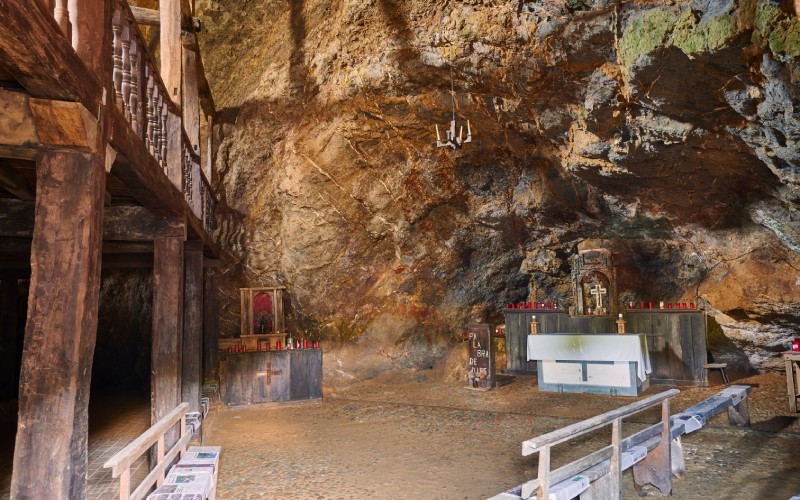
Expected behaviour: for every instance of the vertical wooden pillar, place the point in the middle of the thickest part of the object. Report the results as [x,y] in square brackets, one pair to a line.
[210,325]
[170,33]
[191,384]
[191,93]
[50,455]
[209,163]
[8,337]
[165,381]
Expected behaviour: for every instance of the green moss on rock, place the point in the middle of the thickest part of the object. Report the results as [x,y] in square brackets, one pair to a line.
[777,30]
[645,34]
[692,38]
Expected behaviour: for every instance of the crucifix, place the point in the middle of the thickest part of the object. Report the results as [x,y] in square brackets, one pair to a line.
[598,293]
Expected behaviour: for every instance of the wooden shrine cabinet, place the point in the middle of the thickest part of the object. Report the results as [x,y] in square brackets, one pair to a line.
[263,317]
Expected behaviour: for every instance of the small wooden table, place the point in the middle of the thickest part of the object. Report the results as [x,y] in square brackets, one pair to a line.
[792,377]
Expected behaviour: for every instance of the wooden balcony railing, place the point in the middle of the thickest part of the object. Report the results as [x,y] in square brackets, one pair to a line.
[142,97]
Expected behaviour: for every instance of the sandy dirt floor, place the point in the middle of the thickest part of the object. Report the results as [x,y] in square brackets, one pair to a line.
[405,436]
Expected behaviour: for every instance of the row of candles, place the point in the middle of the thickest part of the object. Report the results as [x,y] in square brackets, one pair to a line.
[678,305]
[265,346]
[533,305]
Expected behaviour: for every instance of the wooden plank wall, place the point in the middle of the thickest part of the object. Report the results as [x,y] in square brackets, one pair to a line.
[677,344]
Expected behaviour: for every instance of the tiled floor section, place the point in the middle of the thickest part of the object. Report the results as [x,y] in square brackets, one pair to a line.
[112,425]
[114,421]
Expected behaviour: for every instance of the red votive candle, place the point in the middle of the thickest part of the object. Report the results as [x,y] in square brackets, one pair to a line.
[549,305]
[278,345]
[669,306]
[535,305]
[796,344]
[508,307]
[305,344]
[691,305]
[684,305]
[649,305]
[267,346]
[641,305]
[297,344]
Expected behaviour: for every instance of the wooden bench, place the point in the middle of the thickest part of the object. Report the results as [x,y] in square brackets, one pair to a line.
[603,470]
[722,367]
[120,463]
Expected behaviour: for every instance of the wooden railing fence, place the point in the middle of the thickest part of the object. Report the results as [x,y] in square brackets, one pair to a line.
[120,463]
[543,444]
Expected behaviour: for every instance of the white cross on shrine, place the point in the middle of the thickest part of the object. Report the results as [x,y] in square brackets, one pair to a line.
[598,293]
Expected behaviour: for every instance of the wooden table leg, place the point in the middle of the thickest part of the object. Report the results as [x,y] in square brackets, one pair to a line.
[791,386]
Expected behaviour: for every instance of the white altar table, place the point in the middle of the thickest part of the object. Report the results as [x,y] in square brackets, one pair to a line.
[594,363]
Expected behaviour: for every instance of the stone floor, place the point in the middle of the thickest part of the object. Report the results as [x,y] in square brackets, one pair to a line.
[406,437]
[114,421]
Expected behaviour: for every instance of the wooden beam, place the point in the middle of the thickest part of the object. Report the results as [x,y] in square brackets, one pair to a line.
[9,295]
[120,223]
[31,125]
[191,382]
[51,455]
[210,326]
[152,17]
[33,49]
[132,223]
[165,381]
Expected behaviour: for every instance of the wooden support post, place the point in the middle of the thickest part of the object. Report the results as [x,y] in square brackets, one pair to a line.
[656,467]
[170,34]
[8,338]
[191,94]
[210,326]
[739,415]
[50,455]
[165,382]
[544,473]
[616,459]
[209,163]
[791,388]
[191,383]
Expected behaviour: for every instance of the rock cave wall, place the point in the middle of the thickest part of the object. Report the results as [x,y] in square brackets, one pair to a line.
[667,131]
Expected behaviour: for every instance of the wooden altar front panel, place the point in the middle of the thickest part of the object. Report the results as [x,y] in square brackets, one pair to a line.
[270,376]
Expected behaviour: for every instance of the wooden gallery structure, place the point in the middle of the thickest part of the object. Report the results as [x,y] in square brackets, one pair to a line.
[101,166]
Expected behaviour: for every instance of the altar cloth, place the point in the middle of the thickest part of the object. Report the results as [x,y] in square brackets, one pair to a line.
[592,347]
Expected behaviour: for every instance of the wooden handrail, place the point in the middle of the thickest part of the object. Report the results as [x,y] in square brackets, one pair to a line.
[120,463]
[543,444]
[566,433]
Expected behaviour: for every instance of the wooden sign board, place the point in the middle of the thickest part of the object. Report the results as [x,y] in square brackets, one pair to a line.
[480,354]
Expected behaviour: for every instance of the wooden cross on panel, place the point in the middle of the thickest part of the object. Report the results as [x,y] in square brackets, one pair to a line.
[598,293]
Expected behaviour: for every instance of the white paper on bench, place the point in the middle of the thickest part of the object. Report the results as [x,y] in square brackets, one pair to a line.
[195,476]
[168,490]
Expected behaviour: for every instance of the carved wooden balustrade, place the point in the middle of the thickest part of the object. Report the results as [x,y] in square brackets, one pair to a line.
[140,94]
